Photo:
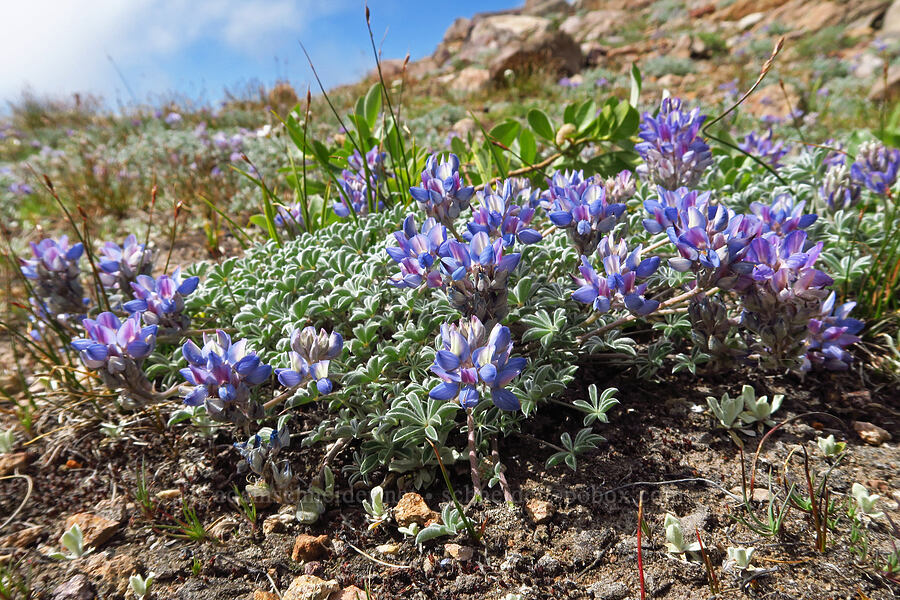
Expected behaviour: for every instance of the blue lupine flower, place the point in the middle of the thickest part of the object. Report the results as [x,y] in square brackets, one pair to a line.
[374,162]
[116,349]
[665,210]
[222,374]
[442,195]
[111,340]
[673,150]
[835,156]
[838,189]
[119,266]
[173,118]
[498,213]
[290,218]
[782,216]
[354,195]
[829,334]
[619,287]
[765,148]
[579,206]
[785,265]
[417,252]
[54,275]
[310,356]
[464,363]
[162,299]
[476,277]
[876,166]
[620,188]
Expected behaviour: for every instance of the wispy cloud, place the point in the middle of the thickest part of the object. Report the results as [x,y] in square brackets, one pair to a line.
[62,46]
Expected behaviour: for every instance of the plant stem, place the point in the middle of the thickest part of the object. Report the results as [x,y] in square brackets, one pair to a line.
[504,485]
[473,454]
[640,554]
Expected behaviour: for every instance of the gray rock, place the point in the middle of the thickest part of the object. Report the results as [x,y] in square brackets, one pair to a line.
[77,588]
[608,590]
[891,22]
[555,53]
[549,564]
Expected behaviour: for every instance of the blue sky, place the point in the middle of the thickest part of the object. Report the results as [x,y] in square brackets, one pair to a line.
[197,48]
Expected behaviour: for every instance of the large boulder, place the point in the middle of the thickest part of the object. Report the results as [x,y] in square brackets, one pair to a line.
[496,31]
[594,25]
[554,52]
[890,25]
[887,89]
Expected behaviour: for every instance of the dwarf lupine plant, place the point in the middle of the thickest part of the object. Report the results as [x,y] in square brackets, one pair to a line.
[161,300]
[838,190]
[222,374]
[579,206]
[781,293]
[499,214]
[618,288]
[310,355]
[121,265]
[876,166]
[765,148]
[829,335]
[674,152]
[55,276]
[442,194]
[116,350]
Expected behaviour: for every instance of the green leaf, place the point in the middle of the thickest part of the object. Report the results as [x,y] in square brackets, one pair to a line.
[373,105]
[506,132]
[635,95]
[527,147]
[540,123]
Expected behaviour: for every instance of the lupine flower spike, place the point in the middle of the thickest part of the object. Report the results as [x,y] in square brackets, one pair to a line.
[120,266]
[467,364]
[499,214]
[619,287]
[310,355]
[116,350]
[876,166]
[579,206]
[222,374]
[417,253]
[674,152]
[54,275]
[442,195]
[162,300]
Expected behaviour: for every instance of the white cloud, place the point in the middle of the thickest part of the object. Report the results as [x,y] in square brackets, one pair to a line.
[61,46]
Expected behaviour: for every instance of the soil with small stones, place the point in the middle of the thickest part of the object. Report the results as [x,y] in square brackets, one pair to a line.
[588,549]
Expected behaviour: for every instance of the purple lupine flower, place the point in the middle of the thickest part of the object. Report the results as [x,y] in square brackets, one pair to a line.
[709,237]
[673,150]
[619,287]
[354,194]
[290,218]
[785,265]
[162,299]
[442,195]
[476,277]
[116,350]
[498,213]
[782,216]
[838,190]
[835,156]
[781,292]
[374,162]
[310,355]
[579,206]
[120,266]
[620,188]
[417,253]
[464,362]
[54,276]
[876,166]
[765,148]
[173,118]
[829,334]
[222,374]
[21,189]
[664,210]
